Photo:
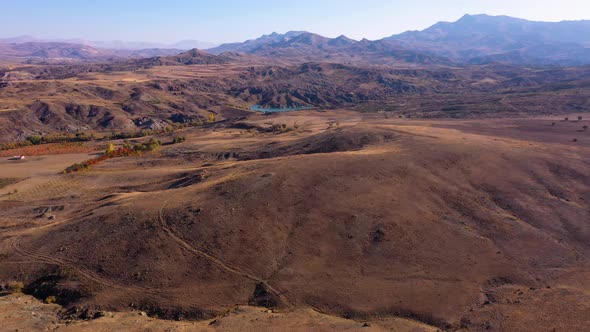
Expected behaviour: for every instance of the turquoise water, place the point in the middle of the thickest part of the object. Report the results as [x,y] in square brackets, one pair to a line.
[259,108]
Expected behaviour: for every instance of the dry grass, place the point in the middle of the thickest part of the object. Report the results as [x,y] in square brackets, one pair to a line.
[4,182]
[16,286]
[48,149]
[377,213]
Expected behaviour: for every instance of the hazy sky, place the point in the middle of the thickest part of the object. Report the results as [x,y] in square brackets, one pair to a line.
[232,20]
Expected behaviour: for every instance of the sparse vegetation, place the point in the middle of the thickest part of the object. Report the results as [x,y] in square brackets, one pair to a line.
[48,139]
[14,192]
[4,182]
[50,299]
[35,140]
[376,195]
[72,143]
[138,134]
[125,151]
[110,149]
[151,145]
[14,145]
[59,138]
[178,139]
[281,128]
[16,286]
[47,149]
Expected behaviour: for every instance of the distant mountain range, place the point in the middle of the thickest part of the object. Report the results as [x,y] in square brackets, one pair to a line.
[61,51]
[483,38]
[473,39]
[307,46]
[114,44]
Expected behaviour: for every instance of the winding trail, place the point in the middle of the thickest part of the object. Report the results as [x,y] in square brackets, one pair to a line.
[219,262]
[88,274]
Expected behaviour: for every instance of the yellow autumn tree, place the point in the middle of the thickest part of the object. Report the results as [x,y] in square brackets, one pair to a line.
[110,149]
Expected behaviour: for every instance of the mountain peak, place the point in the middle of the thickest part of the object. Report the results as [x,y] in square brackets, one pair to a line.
[473,16]
[343,37]
[481,37]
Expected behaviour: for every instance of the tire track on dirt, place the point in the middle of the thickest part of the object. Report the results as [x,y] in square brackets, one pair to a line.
[219,262]
[84,272]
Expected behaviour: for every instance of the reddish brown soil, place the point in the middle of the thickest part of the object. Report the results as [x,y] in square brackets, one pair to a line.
[457,225]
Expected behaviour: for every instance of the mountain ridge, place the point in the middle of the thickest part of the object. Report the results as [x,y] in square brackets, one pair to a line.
[471,40]
[482,38]
[182,45]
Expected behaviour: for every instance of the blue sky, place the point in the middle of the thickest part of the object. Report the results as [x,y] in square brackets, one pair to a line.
[232,20]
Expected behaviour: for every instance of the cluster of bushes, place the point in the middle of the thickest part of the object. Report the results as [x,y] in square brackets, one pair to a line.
[59,138]
[152,132]
[91,162]
[13,287]
[283,128]
[141,133]
[178,139]
[126,150]
[14,145]
[151,145]
[46,139]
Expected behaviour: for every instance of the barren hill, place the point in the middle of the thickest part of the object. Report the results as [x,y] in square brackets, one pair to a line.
[456,227]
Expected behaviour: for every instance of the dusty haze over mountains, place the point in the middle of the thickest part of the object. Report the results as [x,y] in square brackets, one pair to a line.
[473,39]
[433,180]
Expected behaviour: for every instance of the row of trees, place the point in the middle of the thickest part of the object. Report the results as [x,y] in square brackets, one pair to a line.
[112,152]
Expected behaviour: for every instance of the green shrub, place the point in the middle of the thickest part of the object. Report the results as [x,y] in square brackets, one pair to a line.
[178,139]
[151,145]
[35,139]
